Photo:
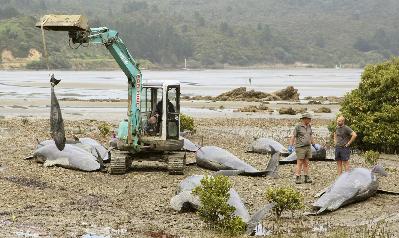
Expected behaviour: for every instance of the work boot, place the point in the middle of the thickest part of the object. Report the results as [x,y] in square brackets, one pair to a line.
[308,179]
[298,180]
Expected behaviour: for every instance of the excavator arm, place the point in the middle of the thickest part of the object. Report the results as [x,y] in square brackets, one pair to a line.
[115,45]
[79,33]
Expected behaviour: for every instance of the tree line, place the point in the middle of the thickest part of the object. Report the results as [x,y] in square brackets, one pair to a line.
[218,33]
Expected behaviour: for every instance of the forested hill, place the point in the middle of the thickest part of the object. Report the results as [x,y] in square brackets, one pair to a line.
[214,33]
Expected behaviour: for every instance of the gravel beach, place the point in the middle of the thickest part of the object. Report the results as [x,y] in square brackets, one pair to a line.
[55,202]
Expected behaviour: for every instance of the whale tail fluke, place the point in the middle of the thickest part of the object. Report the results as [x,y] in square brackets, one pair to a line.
[257,217]
[272,166]
[56,121]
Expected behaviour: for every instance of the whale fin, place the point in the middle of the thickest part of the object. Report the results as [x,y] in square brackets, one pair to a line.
[54,81]
[191,163]
[321,192]
[381,191]
[311,213]
[321,210]
[272,150]
[272,166]
[257,217]
[29,157]
[334,204]
[99,158]
[62,162]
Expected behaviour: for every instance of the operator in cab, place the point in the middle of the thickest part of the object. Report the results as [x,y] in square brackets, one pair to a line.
[158,109]
[155,121]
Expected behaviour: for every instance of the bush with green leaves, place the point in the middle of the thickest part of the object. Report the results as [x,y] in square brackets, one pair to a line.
[214,210]
[285,198]
[331,126]
[104,129]
[186,123]
[371,157]
[372,110]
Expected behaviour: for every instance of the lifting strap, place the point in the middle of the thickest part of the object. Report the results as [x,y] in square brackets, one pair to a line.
[44,42]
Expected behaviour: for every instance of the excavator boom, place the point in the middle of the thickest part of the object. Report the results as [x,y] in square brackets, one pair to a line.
[80,33]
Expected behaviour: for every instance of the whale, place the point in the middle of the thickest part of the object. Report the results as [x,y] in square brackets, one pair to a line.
[356,185]
[265,145]
[88,144]
[215,158]
[185,201]
[190,146]
[71,157]
[318,154]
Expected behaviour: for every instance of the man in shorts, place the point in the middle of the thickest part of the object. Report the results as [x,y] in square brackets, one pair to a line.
[302,136]
[343,138]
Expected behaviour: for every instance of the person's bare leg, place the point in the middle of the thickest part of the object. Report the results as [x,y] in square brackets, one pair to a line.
[306,171]
[298,167]
[306,166]
[339,167]
[346,165]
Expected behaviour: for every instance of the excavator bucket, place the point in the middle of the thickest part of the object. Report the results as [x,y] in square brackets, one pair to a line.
[64,23]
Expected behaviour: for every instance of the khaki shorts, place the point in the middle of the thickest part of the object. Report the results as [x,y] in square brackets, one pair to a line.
[304,152]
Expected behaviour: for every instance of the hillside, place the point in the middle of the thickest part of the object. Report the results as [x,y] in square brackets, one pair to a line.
[214,33]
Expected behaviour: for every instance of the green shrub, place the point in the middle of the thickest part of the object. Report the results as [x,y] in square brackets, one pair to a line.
[332,126]
[323,110]
[371,157]
[215,211]
[372,110]
[186,123]
[285,198]
[251,108]
[104,129]
[25,121]
[287,110]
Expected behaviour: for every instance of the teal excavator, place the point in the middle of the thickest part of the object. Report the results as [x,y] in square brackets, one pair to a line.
[151,130]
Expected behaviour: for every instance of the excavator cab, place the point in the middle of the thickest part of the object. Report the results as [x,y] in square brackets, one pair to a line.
[159,138]
[155,122]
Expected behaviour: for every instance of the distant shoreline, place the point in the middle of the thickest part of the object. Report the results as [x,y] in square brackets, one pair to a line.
[226,67]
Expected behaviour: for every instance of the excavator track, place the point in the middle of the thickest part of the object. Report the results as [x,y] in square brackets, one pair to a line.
[120,162]
[176,163]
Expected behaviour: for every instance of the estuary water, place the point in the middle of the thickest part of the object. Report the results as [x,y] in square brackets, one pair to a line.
[113,84]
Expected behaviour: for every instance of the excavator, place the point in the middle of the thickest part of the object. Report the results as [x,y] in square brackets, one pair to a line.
[151,130]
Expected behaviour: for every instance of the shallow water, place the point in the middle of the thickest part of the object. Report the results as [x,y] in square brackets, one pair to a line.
[112,84]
